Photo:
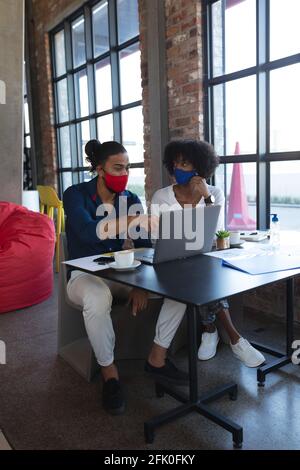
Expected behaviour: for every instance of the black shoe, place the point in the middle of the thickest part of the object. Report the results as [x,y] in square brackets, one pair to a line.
[113,397]
[168,373]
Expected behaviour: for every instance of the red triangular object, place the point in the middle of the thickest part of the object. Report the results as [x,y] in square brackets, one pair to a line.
[238,216]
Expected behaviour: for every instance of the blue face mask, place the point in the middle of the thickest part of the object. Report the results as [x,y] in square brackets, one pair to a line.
[183,177]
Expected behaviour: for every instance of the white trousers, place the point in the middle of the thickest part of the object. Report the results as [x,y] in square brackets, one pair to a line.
[95,296]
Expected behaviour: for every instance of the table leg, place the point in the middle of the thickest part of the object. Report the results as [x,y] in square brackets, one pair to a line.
[282,358]
[192,402]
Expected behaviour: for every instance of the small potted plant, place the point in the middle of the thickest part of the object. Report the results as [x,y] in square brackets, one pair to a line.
[223,240]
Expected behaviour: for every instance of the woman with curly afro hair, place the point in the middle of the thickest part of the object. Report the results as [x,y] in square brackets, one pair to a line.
[190,163]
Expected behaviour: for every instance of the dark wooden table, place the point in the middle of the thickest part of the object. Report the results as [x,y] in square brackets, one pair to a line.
[197,281]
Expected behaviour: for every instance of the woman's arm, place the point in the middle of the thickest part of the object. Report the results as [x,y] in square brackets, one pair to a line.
[220,201]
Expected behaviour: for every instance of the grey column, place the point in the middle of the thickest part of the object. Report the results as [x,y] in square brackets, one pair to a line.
[11,99]
[158,95]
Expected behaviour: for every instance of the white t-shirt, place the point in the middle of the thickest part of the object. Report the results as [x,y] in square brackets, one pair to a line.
[164,199]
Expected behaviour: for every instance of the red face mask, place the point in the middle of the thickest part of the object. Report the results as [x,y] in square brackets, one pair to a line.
[117,183]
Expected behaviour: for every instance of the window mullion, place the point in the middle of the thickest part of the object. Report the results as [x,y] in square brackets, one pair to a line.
[206,62]
[71,100]
[90,68]
[263,168]
[112,18]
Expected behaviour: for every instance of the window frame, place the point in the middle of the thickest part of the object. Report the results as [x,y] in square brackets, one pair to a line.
[86,11]
[264,66]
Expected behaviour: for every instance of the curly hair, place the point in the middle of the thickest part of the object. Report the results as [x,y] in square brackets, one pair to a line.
[98,153]
[199,153]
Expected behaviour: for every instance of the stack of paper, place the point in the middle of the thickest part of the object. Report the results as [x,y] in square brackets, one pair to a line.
[259,260]
[87,263]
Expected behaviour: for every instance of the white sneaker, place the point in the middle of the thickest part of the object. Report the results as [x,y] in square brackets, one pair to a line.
[208,346]
[246,353]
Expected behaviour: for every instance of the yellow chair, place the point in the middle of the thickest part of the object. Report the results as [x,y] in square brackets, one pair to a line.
[50,200]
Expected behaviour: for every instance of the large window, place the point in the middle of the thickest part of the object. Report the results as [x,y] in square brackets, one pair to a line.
[252,108]
[97,87]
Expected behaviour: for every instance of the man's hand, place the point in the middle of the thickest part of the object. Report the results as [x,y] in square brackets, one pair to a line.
[139,300]
[128,244]
[199,186]
[149,223]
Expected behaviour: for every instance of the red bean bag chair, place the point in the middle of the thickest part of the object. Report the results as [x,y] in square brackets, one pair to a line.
[27,242]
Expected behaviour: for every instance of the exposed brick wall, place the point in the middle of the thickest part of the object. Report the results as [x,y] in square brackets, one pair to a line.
[271,300]
[183,43]
[184,68]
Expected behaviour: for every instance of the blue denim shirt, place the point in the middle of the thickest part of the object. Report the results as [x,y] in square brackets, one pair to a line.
[80,204]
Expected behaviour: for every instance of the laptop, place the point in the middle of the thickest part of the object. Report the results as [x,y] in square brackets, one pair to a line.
[182,233]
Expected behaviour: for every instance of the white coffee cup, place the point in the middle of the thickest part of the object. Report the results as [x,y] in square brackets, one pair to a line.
[124,258]
[235,237]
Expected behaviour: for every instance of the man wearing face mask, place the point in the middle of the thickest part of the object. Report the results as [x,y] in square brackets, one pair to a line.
[191,162]
[81,201]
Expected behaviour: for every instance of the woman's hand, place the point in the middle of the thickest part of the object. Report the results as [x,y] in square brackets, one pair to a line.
[139,300]
[199,186]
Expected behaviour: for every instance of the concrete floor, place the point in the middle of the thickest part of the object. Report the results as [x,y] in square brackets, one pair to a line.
[4,445]
[47,405]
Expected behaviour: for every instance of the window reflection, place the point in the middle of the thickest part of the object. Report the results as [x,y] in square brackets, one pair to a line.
[132,133]
[128,19]
[83,136]
[284,109]
[100,28]
[130,74]
[285,196]
[235,116]
[136,184]
[60,56]
[105,128]
[78,41]
[103,85]
[81,94]
[284,28]
[66,180]
[65,146]
[62,96]
[238,182]
[234,35]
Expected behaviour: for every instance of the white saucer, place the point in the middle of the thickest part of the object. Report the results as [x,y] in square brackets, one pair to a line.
[131,267]
[236,245]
